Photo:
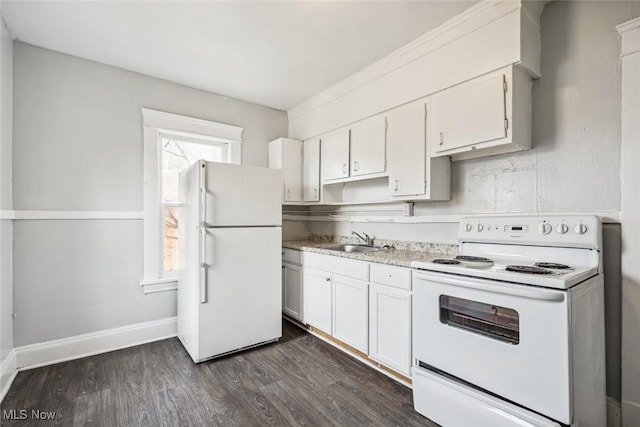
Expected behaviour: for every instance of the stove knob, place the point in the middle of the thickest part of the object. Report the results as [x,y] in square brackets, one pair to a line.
[562,229]
[468,227]
[479,227]
[580,229]
[544,228]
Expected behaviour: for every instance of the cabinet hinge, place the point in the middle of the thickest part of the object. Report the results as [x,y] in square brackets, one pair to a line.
[506,124]
[386,124]
[425,111]
[504,85]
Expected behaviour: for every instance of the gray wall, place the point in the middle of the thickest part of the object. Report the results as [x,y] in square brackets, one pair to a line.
[78,146]
[574,164]
[6,225]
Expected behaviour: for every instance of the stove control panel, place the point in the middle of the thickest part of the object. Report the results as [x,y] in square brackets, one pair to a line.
[581,231]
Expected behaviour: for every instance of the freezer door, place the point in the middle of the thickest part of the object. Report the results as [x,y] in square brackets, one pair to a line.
[243,292]
[242,195]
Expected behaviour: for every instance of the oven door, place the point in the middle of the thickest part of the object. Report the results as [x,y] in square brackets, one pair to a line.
[511,340]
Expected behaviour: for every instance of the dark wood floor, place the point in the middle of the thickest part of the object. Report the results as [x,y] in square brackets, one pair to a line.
[301,380]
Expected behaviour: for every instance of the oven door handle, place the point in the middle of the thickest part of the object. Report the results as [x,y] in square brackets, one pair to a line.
[537,294]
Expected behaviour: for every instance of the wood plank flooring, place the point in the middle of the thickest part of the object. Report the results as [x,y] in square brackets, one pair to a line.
[299,381]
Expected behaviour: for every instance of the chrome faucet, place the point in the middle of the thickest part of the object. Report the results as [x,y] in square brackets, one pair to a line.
[368,240]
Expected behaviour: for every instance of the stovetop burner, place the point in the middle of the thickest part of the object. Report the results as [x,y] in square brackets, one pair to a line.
[473,258]
[528,269]
[445,261]
[552,265]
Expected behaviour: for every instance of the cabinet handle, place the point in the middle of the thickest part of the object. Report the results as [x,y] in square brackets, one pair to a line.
[441,138]
[327,279]
[344,168]
[355,166]
[395,187]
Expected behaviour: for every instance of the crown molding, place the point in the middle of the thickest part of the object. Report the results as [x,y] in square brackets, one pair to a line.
[463,24]
[630,34]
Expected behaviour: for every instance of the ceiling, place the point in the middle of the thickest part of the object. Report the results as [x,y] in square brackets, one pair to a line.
[271,53]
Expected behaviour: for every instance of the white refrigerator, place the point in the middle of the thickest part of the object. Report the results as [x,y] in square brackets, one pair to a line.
[230,286]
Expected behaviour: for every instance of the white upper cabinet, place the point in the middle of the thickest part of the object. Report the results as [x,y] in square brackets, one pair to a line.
[407,149]
[311,170]
[368,146]
[335,154]
[286,154]
[487,115]
[469,114]
[412,174]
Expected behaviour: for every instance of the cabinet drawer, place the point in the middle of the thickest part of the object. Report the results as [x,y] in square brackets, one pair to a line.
[291,255]
[397,277]
[337,265]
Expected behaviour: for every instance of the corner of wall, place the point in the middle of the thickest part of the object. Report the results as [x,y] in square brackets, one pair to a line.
[7,363]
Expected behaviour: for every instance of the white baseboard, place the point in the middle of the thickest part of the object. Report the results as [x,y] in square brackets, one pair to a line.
[78,346]
[614,418]
[8,372]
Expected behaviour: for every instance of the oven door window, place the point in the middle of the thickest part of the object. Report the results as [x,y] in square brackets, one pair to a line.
[492,321]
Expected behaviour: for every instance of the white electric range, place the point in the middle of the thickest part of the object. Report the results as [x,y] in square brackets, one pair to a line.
[511,332]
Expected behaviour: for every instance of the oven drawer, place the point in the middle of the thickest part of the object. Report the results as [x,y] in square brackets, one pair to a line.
[453,404]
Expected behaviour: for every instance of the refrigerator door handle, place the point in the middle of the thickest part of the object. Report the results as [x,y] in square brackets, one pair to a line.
[202,273]
[203,194]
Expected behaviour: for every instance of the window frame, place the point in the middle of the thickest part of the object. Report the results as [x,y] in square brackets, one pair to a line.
[156,123]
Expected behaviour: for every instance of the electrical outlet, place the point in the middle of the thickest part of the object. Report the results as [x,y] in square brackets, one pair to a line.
[407,209]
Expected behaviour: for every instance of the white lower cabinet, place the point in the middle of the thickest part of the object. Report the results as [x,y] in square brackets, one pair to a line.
[390,327]
[292,283]
[390,317]
[350,312]
[364,305]
[292,290]
[317,291]
[337,305]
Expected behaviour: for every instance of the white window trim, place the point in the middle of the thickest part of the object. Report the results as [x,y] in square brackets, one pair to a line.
[155,122]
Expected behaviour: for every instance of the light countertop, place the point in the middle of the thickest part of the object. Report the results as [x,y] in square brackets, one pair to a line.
[399,257]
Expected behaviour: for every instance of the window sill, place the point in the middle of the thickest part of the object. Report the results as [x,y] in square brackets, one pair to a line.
[150,286]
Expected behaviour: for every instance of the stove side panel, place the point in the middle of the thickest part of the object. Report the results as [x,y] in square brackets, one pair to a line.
[588,353]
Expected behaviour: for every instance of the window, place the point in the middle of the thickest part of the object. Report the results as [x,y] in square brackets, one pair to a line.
[179,151]
[172,143]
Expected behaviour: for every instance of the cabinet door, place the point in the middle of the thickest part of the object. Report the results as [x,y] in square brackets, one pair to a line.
[390,327]
[368,146]
[468,114]
[406,141]
[311,170]
[292,290]
[351,312]
[292,170]
[335,154]
[317,298]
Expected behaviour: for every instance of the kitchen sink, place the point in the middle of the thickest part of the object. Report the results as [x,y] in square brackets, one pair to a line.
[352,248]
